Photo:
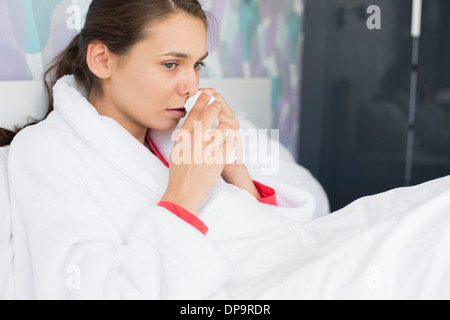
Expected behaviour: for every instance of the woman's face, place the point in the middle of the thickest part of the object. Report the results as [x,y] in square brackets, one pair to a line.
[158,74]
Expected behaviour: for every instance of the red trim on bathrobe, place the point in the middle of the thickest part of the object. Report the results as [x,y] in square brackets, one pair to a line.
[156,151]
[268,194]
[180,212]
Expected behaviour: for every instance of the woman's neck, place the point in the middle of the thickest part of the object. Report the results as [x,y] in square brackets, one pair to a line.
[107,110]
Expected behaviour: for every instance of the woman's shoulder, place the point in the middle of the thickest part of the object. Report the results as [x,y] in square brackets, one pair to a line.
[42,140]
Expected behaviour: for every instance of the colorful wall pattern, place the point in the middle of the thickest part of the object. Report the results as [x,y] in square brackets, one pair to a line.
[252,38]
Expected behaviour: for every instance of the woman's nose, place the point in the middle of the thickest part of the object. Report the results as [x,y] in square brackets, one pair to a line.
[189,84]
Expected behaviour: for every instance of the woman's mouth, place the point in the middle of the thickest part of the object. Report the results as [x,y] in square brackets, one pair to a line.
[178,113]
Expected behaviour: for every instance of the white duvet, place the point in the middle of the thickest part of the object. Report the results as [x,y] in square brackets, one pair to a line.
[393,245]
[86,225]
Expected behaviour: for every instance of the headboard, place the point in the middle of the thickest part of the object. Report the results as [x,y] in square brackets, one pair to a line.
[22,99]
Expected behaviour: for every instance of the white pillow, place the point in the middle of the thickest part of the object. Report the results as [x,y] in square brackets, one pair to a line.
[6,249]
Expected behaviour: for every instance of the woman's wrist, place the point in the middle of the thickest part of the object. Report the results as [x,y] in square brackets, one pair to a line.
[241,179]
[183,200]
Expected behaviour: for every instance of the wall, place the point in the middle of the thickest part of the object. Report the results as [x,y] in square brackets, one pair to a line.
[252,38]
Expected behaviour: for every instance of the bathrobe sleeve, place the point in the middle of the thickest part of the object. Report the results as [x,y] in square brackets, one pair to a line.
[77,250]
[185,215]
[268,195]
[294,185]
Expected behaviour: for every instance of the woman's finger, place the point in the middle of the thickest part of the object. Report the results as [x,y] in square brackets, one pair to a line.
[209,89]
[226,107]
[220,98]
[224,117]
[210,114]
[196,112]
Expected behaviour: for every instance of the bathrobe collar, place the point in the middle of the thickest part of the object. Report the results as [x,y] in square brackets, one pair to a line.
[108,138]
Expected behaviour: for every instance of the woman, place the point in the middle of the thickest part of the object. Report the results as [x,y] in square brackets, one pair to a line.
[99,213]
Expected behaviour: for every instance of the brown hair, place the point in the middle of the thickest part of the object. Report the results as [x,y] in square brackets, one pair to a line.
[119,25]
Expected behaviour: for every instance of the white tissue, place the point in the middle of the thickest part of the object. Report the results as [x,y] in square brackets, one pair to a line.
[193,100]
[164,140]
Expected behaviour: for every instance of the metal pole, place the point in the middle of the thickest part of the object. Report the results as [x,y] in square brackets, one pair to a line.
[416,27]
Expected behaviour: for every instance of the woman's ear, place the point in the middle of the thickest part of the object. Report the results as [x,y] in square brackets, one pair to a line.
[99,60]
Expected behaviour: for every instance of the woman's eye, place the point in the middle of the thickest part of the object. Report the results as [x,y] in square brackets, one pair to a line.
[199,65]
[170,66]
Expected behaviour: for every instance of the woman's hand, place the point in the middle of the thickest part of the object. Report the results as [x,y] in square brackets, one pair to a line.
[193,174]
[228,116]
[235,173]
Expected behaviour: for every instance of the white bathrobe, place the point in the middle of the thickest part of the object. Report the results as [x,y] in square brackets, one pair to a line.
[86,225]
[84,196]
[6,249]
